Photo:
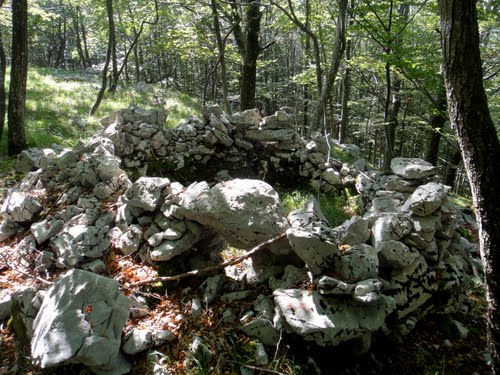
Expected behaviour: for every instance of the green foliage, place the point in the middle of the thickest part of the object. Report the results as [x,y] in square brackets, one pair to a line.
[335,208]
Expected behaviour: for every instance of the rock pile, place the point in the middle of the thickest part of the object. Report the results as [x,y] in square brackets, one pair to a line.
[244,144]
[377,273]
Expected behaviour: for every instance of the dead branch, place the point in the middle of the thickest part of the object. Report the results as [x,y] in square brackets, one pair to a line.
[221,266]
[15,269]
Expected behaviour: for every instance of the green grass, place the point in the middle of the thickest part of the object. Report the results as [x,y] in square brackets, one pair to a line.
[334,207]
[57,99]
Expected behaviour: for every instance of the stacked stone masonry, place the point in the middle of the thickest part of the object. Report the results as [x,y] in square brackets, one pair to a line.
[378,273]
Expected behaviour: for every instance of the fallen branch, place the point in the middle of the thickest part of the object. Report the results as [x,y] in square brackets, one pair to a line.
[15,269]
[221,266]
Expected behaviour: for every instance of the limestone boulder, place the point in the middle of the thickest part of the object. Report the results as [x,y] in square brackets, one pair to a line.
[412,168]
[426,199]
[390,226]
[329,321]
[396,254]
[356,263]
[145,192]
[80,321]
[245,212]
[311,237]
[354,231]
[20,206]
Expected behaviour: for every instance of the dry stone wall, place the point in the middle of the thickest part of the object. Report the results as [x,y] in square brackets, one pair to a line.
[379,272]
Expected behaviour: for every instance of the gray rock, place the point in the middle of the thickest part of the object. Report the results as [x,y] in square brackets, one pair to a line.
[396,254]
[291,276]
[331,176]
[46,229]
[354,231]
[212,287]
[80,321]
[263,330]
[137,340]
[95,266]
[329,321]
[171,248]
[261,357]
[368,291]
[20,206]
[126,238]
[310,237]
[264,307]
[8,228]
[270,134]
[163,337]
[412,168]
[244,212]
[138,308]
[196,309]
[198,353]
[330,285]
[5,307]
[426,199]
[356,263]
[412,286]
[145,192]
[390,227]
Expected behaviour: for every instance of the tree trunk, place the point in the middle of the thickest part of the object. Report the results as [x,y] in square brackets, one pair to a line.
[112,42]
[85,46]
[437,122]
[76,25]
[18,76]
[479,144]
[338,50]
[222,56]
[346,92]
[451,171]
[3,70]
[250,56]
[100,95]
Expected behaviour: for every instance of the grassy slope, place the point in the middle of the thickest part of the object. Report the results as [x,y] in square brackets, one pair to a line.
[58,100]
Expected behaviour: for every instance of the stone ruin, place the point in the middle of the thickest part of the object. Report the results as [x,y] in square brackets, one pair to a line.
[377,273]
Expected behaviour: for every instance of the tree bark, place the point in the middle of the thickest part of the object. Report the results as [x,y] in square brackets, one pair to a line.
[339,48]
[76,26]
[437,122]
[18,76]
[3,72]
[100,95]
[250,56]
[222,55]
[479,144]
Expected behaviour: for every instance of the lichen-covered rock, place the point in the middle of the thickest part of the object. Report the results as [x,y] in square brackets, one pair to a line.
[354,231]
[356,263]
[145,192]
[80,321]
[245,212]
[396,254]
[426,199]
[412,286]
[331,285]
[329,321]
[20,206]
[412,168]
[263,330]
[390,226]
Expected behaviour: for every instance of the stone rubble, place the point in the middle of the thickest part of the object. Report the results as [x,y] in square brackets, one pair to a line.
[378,272]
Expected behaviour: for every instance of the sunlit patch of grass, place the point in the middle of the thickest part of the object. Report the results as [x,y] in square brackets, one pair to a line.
[335,208]
[294,200]
[179,106]
[460,200]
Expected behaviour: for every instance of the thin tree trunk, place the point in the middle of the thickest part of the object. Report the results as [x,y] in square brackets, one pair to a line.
[100,95]
[251,54]
[338,50]
[437,122]
[3,72]
[76,25]
[18,77]
[479,144]
[112,39]
[85,46]
[222,56]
